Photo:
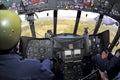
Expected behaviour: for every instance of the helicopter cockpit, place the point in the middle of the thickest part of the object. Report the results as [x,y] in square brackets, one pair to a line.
[71,53]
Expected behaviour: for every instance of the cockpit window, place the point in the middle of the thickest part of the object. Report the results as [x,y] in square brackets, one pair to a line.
[110,24]
[87,20]
[25,28]
[43,22]
[66,21]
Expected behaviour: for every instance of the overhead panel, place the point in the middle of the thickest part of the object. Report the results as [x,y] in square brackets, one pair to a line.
[107,7]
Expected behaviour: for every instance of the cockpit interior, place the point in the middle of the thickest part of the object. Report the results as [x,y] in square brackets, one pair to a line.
[70,47]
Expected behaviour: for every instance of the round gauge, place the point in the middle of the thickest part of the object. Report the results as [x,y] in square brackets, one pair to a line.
[42,50]
[30,52]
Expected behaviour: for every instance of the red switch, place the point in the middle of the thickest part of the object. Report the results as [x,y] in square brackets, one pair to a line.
[34,1]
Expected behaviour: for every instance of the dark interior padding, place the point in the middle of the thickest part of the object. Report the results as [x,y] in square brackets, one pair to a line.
[23,45]
[105,37]
[102,41]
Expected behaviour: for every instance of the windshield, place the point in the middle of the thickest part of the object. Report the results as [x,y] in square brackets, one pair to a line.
[66,23]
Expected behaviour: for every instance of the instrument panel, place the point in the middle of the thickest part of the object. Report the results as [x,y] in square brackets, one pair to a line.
[40,49]
[31,6]
[71,50]
[69,47]
[107,7]
[95,44]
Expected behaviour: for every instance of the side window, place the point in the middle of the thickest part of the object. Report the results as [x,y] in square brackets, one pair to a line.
[112,25]
[87,20]
[43,22]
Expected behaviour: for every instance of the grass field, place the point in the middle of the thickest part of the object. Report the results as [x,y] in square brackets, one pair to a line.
[65,26]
